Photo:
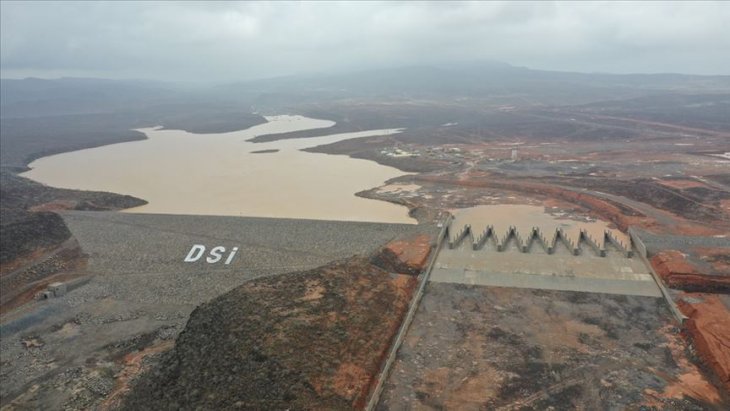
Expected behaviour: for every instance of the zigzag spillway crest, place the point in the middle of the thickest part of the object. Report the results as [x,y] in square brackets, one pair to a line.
[546,240]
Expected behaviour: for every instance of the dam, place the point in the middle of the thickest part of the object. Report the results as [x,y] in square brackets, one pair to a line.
[568,256]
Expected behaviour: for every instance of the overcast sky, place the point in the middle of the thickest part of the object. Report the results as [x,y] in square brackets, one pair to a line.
[236,41]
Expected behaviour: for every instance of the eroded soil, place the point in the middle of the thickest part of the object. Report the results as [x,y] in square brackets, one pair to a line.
[708,327]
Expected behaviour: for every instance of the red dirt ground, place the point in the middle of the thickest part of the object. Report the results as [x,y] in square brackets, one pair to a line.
[405,256]
[678,272]
[682,184]
[709,328]
[133,365]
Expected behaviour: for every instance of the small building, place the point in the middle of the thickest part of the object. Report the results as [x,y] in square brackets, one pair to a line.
[57,289]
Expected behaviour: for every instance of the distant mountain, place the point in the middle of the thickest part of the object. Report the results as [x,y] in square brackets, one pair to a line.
[33,97]
[479,80]
[41,117]
[485,80]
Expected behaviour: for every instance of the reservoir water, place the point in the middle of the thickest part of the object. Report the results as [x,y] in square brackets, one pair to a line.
[217,174]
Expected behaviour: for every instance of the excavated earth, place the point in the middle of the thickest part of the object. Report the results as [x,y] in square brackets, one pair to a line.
[305,340]
[406,255]
[699,268]
[677,269]
[708,326]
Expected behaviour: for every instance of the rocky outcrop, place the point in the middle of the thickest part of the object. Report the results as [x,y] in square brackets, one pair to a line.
[708,327]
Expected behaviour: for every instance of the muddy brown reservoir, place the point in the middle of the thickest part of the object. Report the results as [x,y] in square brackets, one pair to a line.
[217,174]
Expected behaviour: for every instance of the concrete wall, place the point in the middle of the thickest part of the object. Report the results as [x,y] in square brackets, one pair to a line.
[377,391]
[637,243]
[639,246]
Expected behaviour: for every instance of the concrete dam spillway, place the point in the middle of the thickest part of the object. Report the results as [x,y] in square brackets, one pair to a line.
[484,247]
[547,242]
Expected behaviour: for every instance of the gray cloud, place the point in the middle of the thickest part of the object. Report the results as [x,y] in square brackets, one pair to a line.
[233,41]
